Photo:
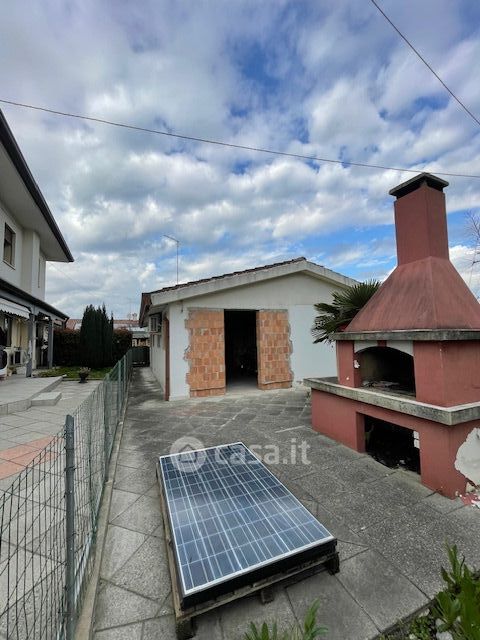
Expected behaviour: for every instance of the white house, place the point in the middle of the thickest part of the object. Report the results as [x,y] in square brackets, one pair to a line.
[246,328]
[30,237]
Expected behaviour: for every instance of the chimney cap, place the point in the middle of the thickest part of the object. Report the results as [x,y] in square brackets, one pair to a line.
[416,182]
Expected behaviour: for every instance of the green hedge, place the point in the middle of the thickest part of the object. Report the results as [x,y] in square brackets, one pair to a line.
[122,342]
[66,347]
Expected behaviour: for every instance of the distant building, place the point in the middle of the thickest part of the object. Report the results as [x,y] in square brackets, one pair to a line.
[140,335]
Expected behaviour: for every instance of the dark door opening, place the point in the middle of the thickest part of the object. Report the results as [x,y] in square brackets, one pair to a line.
[241,347]
[391,445]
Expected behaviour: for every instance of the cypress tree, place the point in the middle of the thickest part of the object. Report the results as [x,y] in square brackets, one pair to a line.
[87,337]
[96,338]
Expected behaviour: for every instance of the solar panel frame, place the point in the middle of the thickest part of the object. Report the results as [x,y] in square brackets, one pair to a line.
[324,547]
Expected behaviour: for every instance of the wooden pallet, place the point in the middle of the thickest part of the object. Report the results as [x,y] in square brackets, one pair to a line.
[185,618]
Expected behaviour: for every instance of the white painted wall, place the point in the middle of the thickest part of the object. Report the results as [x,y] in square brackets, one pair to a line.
[297,293]
[468,457]
[308,360]
[178,347]
[13,275]
[157,357]
[28,272]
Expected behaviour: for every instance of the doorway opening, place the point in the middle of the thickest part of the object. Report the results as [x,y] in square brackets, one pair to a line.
[240,349]
[395,447]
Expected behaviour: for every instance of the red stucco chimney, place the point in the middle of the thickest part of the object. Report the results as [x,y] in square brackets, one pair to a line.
[425,291]
[421,219]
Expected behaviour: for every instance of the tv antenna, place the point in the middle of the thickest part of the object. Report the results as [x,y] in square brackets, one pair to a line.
[178,245]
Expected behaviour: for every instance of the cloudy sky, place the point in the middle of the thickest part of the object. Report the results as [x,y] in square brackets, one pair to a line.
[327,78]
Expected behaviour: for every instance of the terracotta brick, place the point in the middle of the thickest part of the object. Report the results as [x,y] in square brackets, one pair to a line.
[273,349]
[206,352]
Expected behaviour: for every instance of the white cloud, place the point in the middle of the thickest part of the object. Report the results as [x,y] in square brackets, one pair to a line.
[325,79]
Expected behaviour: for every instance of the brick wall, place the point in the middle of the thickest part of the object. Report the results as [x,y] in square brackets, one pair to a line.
[273,350]
[206,352]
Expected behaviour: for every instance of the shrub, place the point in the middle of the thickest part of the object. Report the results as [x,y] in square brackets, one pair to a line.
[458,606]
[122,342]
[66,347]
[308,631]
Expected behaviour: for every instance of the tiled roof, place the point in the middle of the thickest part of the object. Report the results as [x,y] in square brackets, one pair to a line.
[117,324]
[228,275]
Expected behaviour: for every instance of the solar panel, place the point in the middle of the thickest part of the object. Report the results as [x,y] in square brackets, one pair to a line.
[233,521]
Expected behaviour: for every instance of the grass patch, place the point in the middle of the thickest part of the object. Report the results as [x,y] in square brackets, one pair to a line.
[72,373]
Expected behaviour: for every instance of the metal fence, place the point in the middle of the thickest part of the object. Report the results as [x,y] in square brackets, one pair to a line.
[48,518]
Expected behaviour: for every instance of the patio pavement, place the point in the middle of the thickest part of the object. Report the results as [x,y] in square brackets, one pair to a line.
[16,392]
[24,433]
[391,530]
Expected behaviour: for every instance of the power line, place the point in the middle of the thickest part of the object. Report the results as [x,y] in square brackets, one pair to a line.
[405,39]
[231,145]
[82,287]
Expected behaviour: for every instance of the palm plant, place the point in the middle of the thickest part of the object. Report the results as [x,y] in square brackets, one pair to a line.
[343,308]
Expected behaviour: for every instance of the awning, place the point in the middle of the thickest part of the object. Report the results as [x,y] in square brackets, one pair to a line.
[14,309]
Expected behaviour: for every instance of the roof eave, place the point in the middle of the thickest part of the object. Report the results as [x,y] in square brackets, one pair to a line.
[7,139]
[251,277]
[19,293]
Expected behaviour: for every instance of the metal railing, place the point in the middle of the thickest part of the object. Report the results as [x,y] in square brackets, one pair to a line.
[49,515]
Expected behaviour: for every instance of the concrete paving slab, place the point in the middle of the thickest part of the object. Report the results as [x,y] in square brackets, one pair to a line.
[120,545]
[414,543]
[128,632]
[323,482]
[442,504]
[17,392]
[47,399]
[349,543]
[138,459]
[16,420]
[120,501]
[159,628]
[121,473]
[117,607]
[385,594]
[143,515]
[146,571]
[209,627]
[365,504]
[344,618]
[136,480]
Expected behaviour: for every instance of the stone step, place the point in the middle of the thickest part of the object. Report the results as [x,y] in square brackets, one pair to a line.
[46,399]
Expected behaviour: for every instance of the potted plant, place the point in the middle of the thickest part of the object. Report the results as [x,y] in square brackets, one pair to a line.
[83,374]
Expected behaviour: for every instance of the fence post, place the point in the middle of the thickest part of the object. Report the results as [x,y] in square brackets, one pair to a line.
[106,423]
[70,527]
[119,382]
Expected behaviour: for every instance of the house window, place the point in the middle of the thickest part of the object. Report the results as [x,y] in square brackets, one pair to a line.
[9,246]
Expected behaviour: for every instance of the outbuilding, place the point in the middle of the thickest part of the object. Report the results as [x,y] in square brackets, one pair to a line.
[240,330]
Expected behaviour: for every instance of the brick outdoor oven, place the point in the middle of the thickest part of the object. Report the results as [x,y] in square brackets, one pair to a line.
[409,362]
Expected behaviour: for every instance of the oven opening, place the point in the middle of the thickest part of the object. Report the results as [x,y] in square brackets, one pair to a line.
[395,447]
[387,369]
